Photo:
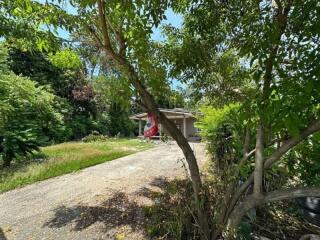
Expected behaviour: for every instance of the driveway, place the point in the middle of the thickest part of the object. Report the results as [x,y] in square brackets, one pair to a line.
[99,202]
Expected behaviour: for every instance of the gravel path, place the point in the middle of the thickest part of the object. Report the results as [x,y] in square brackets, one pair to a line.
[99,202]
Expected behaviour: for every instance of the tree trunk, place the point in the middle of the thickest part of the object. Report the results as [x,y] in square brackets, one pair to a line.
[182,142]
[239,212]
[133,77]
[259,158]
[254,201]
[6,161]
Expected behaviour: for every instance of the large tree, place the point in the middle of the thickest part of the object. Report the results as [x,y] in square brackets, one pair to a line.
[278,44]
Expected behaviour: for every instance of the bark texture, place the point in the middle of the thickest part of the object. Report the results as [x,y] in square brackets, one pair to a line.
[259,158]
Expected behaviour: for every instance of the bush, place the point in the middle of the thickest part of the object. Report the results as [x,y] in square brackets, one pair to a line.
[222,130]
[28,116]
[95,137]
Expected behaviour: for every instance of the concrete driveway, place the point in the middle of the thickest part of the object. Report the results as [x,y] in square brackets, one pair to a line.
[52,209]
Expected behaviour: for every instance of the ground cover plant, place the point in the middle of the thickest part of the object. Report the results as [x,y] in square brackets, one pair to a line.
[64,158]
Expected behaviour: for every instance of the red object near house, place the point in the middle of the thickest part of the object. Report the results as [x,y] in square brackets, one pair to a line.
[151,127]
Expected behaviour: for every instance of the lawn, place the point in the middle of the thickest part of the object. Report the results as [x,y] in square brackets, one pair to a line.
[64,158]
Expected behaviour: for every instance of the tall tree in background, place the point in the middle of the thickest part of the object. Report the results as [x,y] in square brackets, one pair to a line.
[23,22]
[64,73]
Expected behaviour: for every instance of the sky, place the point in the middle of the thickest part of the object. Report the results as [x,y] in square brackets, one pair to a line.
[176,21]
[172,18]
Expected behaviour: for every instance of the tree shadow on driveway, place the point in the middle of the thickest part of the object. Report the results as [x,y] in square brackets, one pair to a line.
[2,236]
[114,212]
[119,211]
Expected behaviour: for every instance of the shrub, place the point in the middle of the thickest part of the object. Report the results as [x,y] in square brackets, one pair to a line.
[28,116]
[221,128]
[95,137]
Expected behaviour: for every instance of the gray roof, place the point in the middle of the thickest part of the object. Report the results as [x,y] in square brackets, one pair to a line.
[170,113]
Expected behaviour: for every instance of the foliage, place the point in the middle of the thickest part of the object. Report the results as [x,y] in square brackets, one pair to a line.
[66,59]
[86,104]
[170,99]
[113,96]
[95,137]
[22,23]
[263,54]
[292,101]
[64,158]
[90,55]
[171,215]
[303,162]
[211,118]
[245,232]
[58,70]
[222,130]
[28,117]
[63,72]
[112,89]
[257,54]
[218,77]
[292,87]
[119,122]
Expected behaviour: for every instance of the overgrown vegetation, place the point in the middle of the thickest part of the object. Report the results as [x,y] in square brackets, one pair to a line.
[29,118]
[171,217]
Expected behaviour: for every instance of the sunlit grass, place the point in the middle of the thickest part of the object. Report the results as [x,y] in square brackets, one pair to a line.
[65,158]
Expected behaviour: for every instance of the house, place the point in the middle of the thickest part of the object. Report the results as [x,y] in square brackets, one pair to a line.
[182,118]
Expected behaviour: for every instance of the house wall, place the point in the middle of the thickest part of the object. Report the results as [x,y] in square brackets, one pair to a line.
[177,122]
[191,129]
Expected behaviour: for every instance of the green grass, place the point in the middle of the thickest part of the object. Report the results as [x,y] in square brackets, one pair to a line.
[64,158]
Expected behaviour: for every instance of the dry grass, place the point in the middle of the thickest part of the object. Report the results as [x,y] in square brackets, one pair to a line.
[65,158]
[282,221]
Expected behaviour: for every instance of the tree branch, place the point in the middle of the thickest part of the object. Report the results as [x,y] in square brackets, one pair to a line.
[292,193]
[249,154]
[246,154]
[254,201]
[104,27]
[95,36]
[133,77]
[280,21]
[118,34]
[259,157]
[246,144]
[313,128]
[290,143]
